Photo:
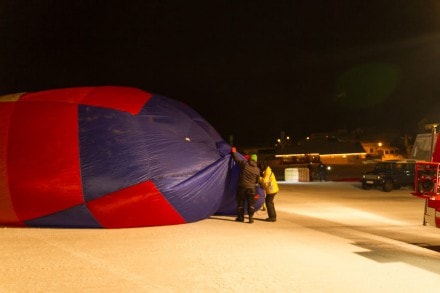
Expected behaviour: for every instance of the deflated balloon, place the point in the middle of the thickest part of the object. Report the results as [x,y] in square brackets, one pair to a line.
[109,157]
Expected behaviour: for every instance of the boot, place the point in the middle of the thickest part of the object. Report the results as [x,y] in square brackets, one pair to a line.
[271,213]
[251,214]
[240,214]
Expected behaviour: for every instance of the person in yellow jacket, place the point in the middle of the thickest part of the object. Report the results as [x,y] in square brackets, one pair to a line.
[270,185]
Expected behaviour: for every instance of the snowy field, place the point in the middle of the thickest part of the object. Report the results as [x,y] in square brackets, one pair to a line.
[329,237]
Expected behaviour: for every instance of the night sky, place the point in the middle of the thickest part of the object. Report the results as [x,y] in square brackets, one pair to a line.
[251,68]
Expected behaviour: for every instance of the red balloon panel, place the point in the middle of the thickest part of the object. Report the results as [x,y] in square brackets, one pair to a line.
[136,206]
[43,158]
[7,214]
[106,97]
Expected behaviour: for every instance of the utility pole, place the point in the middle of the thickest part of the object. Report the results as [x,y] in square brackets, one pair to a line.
[433,127]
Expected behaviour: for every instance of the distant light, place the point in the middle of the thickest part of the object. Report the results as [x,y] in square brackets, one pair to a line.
[295,155]
[279,140]
[431,126]
[379,144]
[343,154]
[187,139]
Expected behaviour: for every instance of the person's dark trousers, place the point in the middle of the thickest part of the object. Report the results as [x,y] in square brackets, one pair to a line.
[271,207]
[240,197]
[250,197]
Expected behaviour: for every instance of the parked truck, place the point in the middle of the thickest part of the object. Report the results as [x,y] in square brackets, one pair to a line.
[390,175]
[427,178]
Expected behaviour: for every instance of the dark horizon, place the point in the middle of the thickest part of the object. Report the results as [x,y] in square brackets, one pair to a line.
[250,68]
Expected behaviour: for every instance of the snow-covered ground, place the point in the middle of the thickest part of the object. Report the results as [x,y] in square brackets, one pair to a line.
[329,237]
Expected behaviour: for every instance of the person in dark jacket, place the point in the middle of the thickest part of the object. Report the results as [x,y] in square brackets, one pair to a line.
[322,171]
[247,185]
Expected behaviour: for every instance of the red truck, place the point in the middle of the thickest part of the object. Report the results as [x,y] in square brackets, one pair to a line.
[427,184]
